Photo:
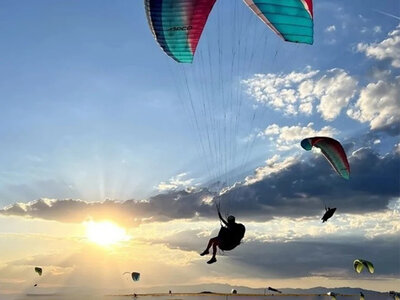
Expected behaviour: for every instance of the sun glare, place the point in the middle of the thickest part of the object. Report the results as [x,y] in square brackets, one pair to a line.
[105,233]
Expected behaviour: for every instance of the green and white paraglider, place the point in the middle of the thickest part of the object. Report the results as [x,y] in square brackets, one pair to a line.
[359,265]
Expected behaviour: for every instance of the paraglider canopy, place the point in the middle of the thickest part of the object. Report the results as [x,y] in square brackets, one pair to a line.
[359,265]
[134,275]
[333,152]
[38,270]
[178,24]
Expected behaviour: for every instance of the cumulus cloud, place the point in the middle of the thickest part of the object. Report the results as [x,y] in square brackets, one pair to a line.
[272,165]
[162,207]
[288,137]
[378,104]
[388,49]
[175,183]
[296,92]
[331,28]
[289,187]
[330,258]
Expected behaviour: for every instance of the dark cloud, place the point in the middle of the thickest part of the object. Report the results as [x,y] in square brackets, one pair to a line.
[324,257]
[320,256]
[391,129]
[304,187]
[299,190]
[162,207]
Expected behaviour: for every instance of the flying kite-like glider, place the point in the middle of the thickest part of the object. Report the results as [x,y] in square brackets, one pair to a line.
[39,270]
[178,24]
[359,265]
[134,275]
[333,152]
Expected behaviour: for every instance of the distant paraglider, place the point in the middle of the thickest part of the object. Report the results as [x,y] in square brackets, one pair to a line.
[359,265]
[39,270]
[333,152]
[134,275]
[328,214]
[177,25]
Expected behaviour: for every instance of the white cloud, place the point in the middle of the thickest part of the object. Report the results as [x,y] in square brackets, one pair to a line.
[334,89]
[331,28]
[378,104]
[176,182]
[377,29]
[288,137]
[296,92]
[386,49]
[272,165]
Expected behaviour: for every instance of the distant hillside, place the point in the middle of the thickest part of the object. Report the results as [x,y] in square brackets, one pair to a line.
[226,288]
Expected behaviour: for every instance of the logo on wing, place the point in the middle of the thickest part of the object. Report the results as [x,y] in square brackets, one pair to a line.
[180,28]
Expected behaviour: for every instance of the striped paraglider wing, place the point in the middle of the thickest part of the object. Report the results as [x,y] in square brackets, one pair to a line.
[292,20]
[177,25]
[333,152]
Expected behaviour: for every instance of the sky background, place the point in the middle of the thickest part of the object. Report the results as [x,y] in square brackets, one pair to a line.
[96,122]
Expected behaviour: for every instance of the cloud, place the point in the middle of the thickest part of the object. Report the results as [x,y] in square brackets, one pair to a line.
[331,28]
[379,105]
[175,183]
[296,92]
[288,137]
[284,257]
[272,165]
[388,49]
[329,258]
[162,207]
[290,187]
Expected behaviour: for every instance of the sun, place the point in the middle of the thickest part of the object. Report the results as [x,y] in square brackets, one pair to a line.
[105,233]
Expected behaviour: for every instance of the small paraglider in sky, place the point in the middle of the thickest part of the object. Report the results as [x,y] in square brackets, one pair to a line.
[328,214]
[39,270]
[134,275]
[274,290]
[333,152]
[359,265]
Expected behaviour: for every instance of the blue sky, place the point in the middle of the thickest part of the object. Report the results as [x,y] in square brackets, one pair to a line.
[92,109]
[87,98]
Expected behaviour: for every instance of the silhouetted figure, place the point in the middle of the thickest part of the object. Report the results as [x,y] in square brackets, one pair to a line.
[170,292]
[328,214]
[228,237]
